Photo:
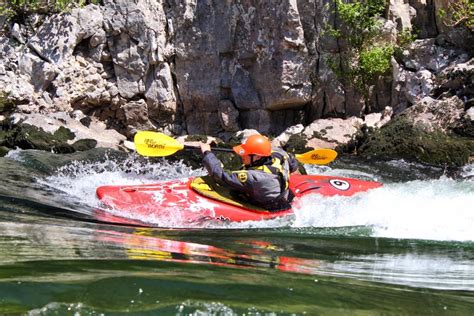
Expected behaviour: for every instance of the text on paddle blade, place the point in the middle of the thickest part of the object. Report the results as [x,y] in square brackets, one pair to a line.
[152,144]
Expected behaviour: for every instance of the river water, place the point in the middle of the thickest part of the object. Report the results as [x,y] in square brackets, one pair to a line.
[406,248]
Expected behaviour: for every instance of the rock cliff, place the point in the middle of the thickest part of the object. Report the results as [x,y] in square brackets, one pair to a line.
[217,67]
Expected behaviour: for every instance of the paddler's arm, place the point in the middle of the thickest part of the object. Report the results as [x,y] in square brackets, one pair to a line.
[293,163]
[295,166]
[216,170]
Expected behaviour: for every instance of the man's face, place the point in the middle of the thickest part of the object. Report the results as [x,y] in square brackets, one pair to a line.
[246,159]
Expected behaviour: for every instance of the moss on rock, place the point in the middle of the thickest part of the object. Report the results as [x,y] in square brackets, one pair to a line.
[27,136]
[3,137]
[404,140]
[30,137]
[63,134]
[3,151]
[297,143]
[196,138]
[84,144]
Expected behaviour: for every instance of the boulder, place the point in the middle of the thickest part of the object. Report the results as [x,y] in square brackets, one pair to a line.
[55,124]
[435,114]
[426,54]
[283,138]
[377,120]
[402,139]
[332,132]
[418,85]
[465,126]
[423,132]
[457,79]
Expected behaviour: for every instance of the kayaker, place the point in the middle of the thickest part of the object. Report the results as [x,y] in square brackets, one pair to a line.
[263,178]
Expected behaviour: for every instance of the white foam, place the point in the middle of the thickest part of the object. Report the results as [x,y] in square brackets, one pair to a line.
[79,180]
[437,209]
[468,172]
[408,269]
[15,154]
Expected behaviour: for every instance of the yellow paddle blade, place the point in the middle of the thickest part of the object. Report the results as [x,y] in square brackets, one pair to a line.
[317,156]
[156,144]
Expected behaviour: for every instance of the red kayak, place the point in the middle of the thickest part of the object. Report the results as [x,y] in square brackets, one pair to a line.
[200,198]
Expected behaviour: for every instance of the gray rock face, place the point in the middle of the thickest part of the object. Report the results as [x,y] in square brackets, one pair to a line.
[425,54]
[228,116]
[187,66]
[249,53]
[425,18]
[402,13]
[59,35]
[437,114]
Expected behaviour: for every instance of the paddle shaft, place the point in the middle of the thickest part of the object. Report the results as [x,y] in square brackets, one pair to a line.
[228,150]
[155,144]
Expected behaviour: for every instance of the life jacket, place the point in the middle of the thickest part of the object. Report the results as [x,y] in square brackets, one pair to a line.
[278,166]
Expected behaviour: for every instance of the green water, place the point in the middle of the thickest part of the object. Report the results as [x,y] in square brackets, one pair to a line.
[56,259]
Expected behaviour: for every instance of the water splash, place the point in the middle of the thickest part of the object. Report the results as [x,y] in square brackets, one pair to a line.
[79,179]
[15,154]
[422,209]
[435,209]
[346,173]
[467,172]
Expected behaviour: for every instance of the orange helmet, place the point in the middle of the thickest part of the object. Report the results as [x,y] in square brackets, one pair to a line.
[254,145]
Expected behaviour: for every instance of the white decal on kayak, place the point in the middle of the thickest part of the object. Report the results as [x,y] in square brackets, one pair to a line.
[223,218]
[342,185]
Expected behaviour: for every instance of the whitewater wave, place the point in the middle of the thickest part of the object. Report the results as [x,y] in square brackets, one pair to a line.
[435,209]
[422,209]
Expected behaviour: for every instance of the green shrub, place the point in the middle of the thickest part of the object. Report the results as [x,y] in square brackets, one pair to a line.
[375,61]
[17,9]
[359,21]
[367,57]
[406,37]
[459,12]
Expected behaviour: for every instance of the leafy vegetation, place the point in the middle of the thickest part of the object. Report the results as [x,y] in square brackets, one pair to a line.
[366,56]
[406,37]
[359,21]
[21,8]
[374,62]
[459,12]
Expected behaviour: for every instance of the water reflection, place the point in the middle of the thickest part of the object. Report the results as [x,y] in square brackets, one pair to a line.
[143,244]
[420,264]
[434,266]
